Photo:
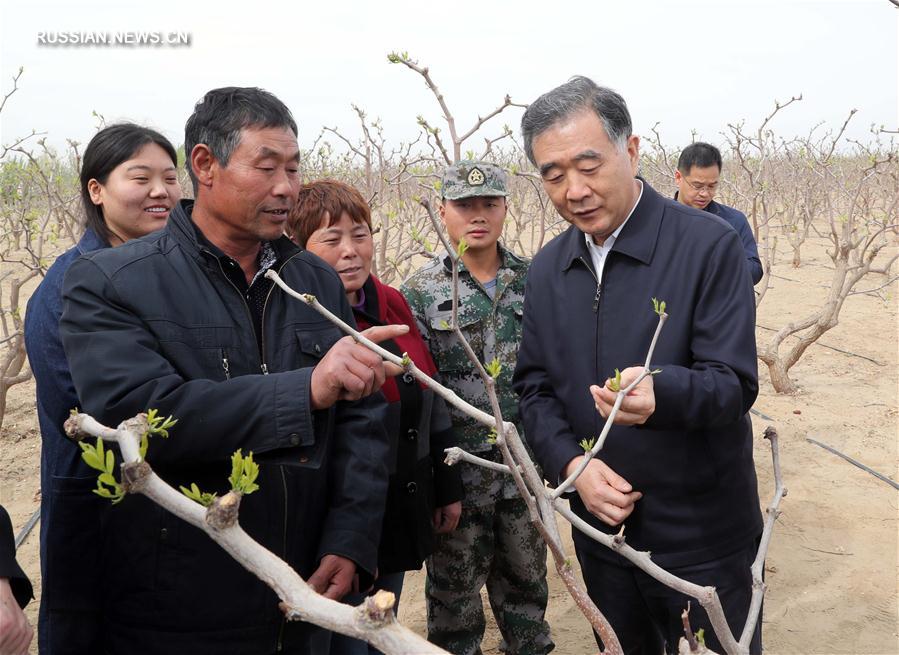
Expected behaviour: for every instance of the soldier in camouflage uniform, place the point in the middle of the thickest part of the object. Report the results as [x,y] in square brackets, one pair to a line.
[494,543]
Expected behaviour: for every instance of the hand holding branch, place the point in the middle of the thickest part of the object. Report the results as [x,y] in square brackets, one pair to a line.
[335,577]
[637,406]
[606,494]
[350,371]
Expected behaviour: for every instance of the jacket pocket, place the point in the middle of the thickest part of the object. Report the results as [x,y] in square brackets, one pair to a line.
[71,544]
[445,346]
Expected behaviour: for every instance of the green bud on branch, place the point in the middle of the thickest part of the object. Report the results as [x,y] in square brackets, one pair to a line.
[658,306]
[244,472]
[493,368]
[202,497]
[100,459]
[615,383]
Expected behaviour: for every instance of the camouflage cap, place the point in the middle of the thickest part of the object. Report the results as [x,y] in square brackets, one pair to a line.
[473,178]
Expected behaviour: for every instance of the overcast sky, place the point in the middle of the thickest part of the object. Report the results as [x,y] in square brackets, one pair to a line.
[686,64]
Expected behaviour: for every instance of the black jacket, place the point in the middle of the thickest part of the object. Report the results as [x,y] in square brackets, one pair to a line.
[155,323]
[9,567]
[693,458]
[419,429]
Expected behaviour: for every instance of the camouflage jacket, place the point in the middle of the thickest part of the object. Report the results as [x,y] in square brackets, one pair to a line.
[491,326]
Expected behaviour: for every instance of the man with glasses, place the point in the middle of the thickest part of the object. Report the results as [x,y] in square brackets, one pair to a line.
[696,177]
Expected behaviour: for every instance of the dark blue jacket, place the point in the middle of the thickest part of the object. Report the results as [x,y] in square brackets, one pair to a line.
[693,458]
[737,220]
[70,512]
[156,323]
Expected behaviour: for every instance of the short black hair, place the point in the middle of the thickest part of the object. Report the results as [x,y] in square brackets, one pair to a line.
[222,114]
[699,154]
[107,149]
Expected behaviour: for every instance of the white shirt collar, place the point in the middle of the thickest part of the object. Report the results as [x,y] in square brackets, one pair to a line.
[610,240]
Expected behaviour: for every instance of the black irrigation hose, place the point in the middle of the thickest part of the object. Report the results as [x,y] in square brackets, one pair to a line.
[760,415]
[880,476]
[26,530]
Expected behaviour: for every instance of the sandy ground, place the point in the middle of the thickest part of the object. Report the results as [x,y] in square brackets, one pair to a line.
[832,568]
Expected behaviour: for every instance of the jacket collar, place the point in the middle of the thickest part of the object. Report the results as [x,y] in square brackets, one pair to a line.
[637,239]
[713,207]
[181,226]
[508,259]
[90,241]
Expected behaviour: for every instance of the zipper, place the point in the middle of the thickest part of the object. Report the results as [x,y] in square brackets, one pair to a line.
[596,298]
[263,366]
[280,645]
[598,285]
[242,297]
[225,365]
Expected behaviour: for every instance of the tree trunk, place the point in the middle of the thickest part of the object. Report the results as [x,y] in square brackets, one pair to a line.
[780,377]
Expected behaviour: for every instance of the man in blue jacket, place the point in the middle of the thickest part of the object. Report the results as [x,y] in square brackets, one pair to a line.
[677,468]
[184,321]
[696,177]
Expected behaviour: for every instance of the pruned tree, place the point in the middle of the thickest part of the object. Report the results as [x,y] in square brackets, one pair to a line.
[38,210]
[857,192]
[756,154]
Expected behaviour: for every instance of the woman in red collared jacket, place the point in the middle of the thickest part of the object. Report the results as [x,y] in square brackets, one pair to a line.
[332,220]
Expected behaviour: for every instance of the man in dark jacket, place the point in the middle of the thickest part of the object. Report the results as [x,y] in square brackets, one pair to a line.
[677,466]
[696,177]
[15,592]
[185,322]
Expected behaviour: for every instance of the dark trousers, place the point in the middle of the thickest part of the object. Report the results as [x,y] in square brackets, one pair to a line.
[646,615]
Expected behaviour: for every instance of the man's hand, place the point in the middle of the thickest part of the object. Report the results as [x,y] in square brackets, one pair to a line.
[335,577]
[606,494]
[350,371]
[15,632]
[446,518]
[636,407]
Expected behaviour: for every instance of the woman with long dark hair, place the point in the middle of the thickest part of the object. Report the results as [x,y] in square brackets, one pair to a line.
[129,184]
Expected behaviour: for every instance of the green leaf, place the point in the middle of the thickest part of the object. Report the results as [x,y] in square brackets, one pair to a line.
[587,444]
[108,479]
[494,368]
[236,468]
[461,248]
[244,472]
[491,436]
[615,383]
[159,425]
[110,461]
[101,455]
[203,498]
[700,636]
[445,325]
[89,455]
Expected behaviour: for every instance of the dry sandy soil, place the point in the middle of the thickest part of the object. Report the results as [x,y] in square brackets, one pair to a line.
[832,568]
